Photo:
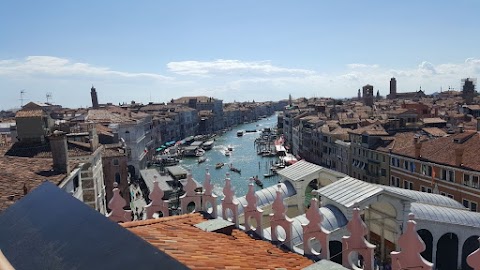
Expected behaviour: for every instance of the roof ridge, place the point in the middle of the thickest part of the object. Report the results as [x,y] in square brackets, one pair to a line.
[138,223]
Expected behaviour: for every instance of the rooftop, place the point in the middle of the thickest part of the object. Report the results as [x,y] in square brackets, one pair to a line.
[178,237]
[20,173]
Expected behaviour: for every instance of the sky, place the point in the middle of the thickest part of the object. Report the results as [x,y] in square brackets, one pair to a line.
[231,50]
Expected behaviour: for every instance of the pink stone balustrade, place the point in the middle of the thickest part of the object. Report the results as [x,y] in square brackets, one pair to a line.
[252,211]
[190,196]
[411,246]
[410,243]
[157,204]
[356,243]
[209,199]
[314,230]
[278,219]
[116,204]
[228,204]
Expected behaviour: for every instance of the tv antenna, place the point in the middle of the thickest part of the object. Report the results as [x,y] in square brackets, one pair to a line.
[49,96]
[22,92]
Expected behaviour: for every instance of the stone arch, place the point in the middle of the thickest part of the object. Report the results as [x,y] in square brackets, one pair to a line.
[132,171]
[335,251]
[309,187]
[427,238]
[186,203]
[381,219]
[447,252]
[279,237]
[469,246]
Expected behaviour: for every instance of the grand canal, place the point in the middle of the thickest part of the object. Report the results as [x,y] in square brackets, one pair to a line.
[244,157]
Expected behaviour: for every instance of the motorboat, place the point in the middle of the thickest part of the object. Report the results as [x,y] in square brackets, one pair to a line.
[219,165]
[201,159]
[230,148]
[271,174]
[199,152]
[240,133]
[227,153]
[207,145]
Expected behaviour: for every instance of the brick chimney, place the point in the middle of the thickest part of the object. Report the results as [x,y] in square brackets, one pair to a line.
[58,145]
[418,147]
[93,137]
[459,157]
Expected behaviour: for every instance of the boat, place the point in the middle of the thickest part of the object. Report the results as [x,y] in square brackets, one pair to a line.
[240,133]
[258,182]
[272,173]
[227,153]
[207,145]
[230,148]
[219,165]
[201,159]
[200,152]
[268,154]
[250,130]
[233,169]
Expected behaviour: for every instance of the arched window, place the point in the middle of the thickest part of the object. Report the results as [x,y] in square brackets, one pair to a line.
[117,178]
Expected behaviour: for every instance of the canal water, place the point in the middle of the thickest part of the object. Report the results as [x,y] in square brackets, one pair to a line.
[244,157]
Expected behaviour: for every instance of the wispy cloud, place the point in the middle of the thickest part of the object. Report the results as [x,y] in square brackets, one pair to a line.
[225,79]
[61,67]
[357,65]
[233,67]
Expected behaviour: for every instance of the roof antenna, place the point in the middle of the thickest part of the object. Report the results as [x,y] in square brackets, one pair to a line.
[22,92]
[49,96]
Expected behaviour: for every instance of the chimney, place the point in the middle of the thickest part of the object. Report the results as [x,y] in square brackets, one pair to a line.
[478,123]
[58,145]
[436,111]
[418,147]
[458,157]
[93,137]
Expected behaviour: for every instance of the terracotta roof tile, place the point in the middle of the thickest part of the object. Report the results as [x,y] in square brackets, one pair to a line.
[198,249]
[15,172]
[442,150]
[30,113]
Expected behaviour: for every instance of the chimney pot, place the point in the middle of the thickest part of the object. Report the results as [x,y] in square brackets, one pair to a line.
[459,157]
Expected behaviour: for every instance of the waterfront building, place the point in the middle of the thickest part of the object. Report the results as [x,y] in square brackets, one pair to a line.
[335,147]
[203,103]
[369,163]
[134,132]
